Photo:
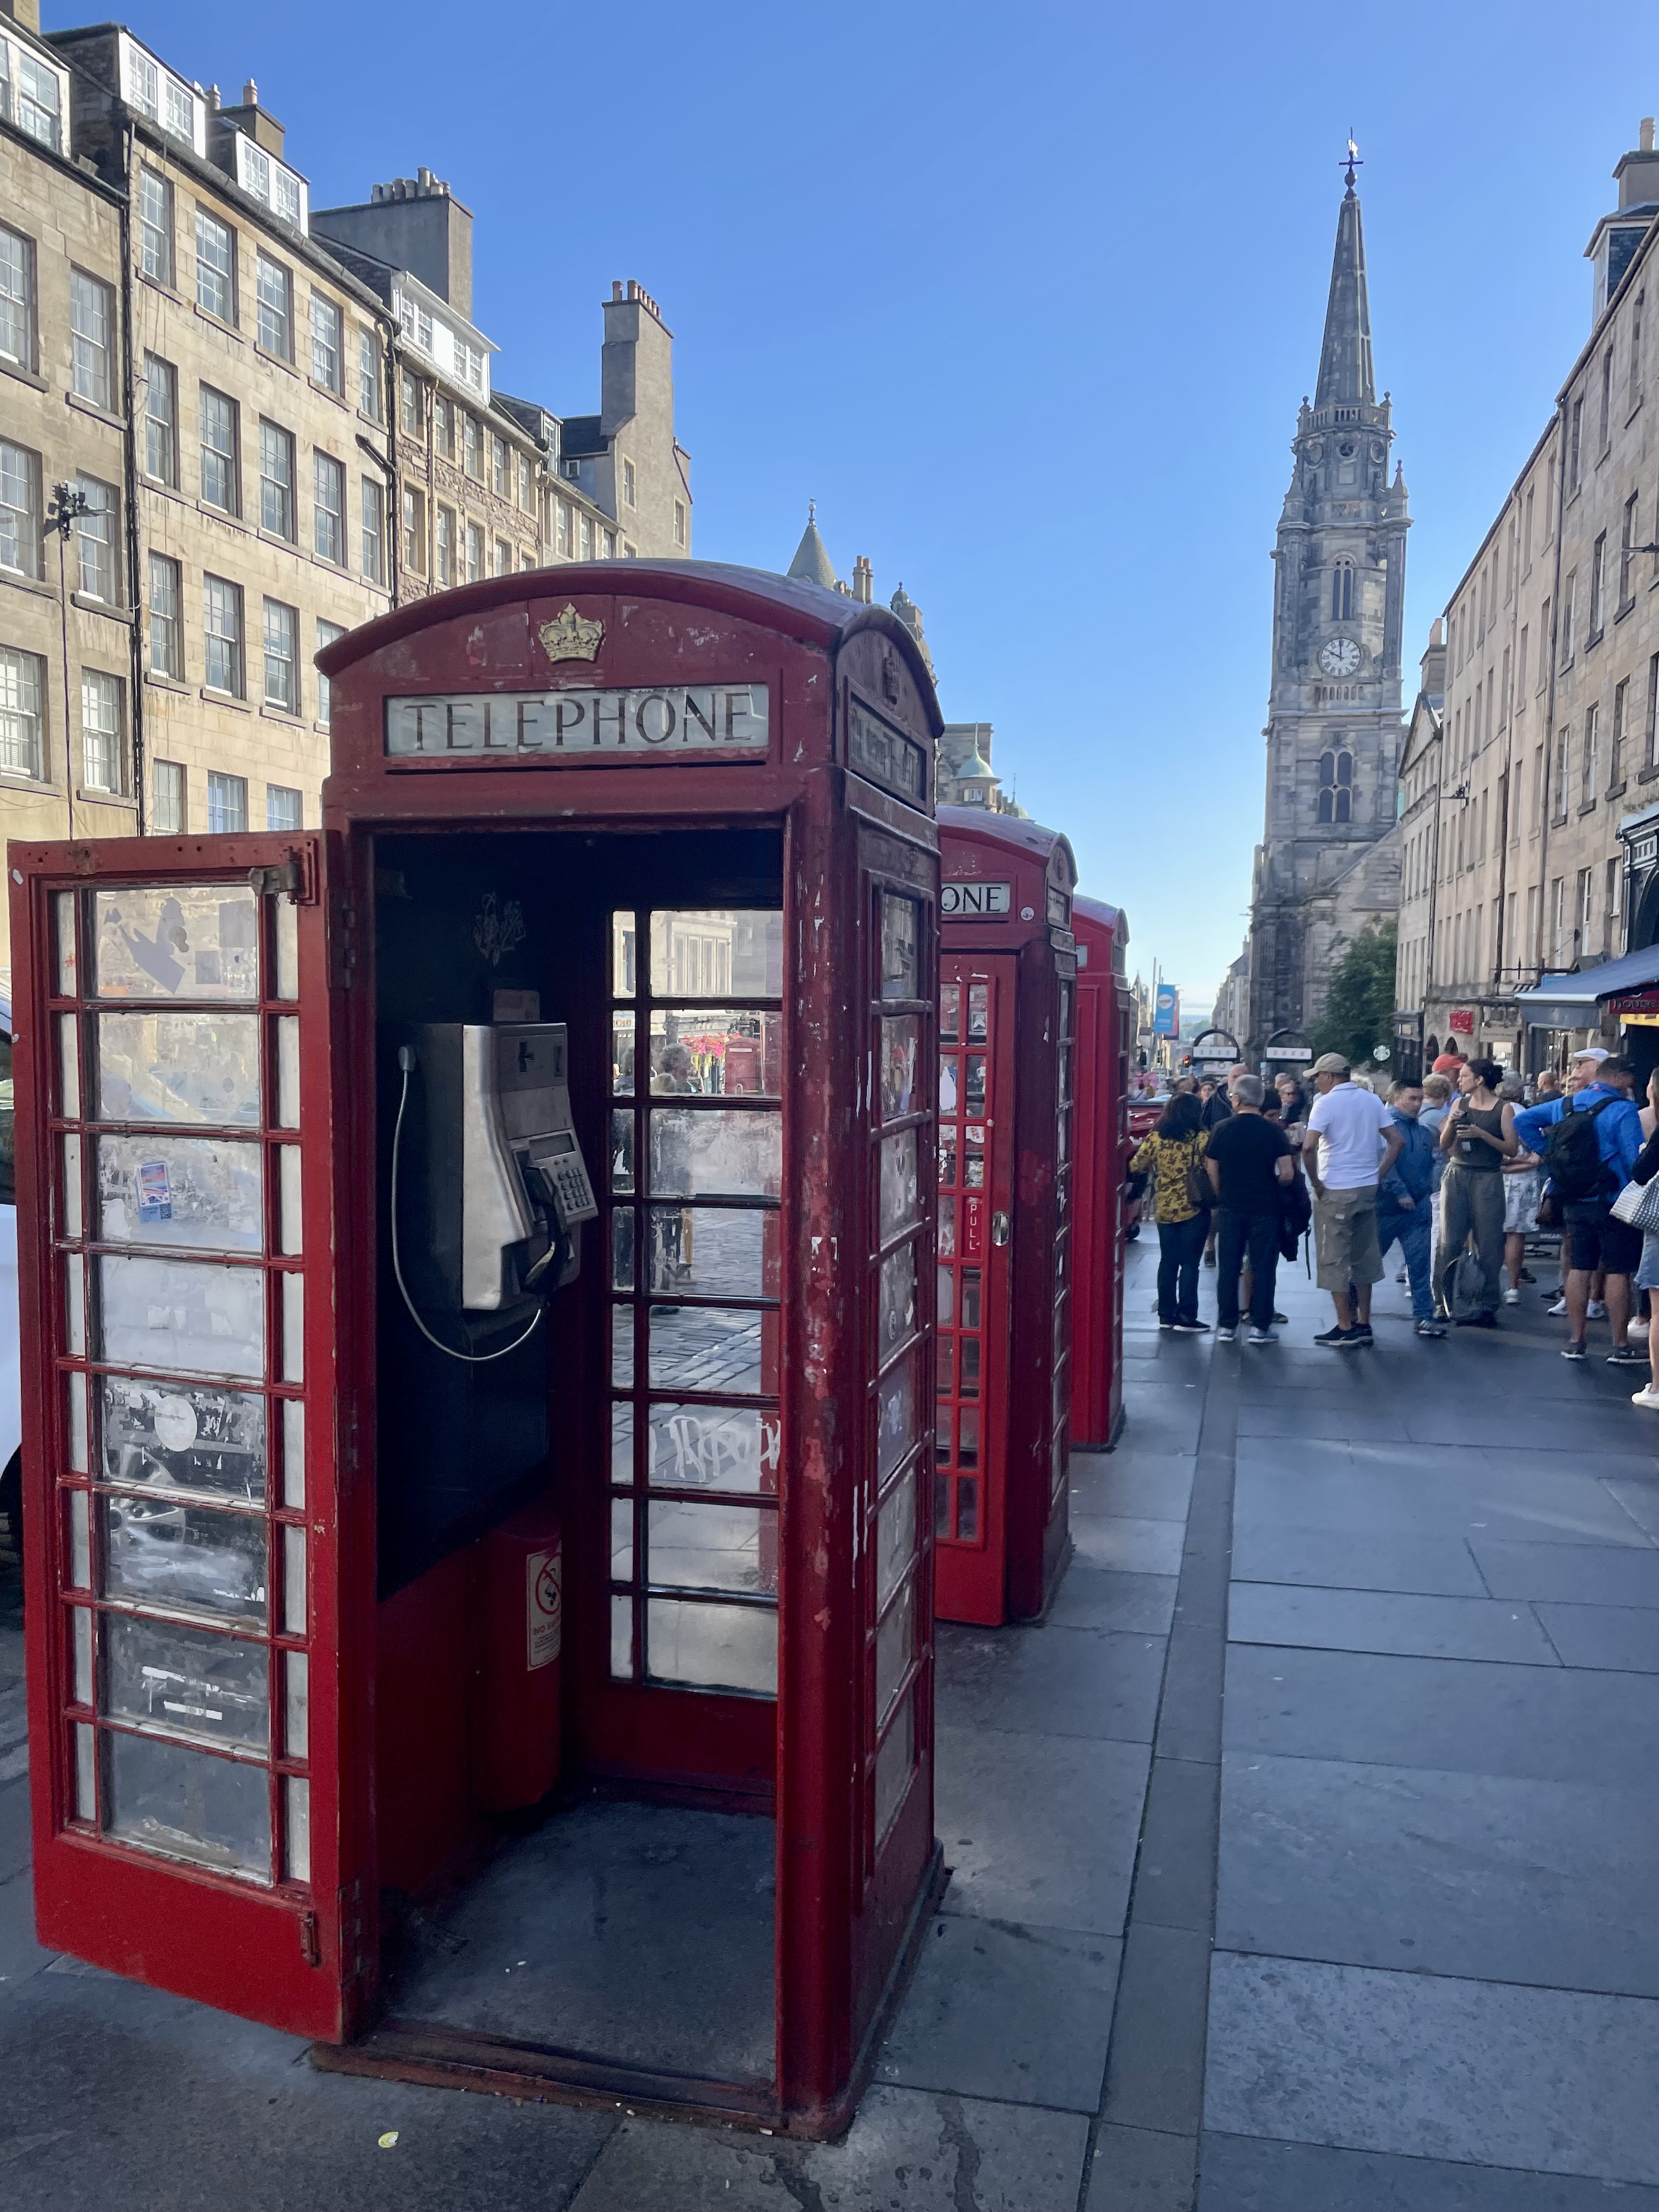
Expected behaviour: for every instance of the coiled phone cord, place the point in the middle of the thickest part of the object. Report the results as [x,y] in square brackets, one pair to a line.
[406,1061]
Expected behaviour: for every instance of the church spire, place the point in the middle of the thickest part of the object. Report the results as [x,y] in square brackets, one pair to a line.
[1344,363]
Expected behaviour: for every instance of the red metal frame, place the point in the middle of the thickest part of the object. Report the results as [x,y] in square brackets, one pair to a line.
[1009,883]
[1105,1048]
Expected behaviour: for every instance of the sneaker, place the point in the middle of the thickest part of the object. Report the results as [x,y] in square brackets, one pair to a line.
[1400,1276]
[1648,1396]
[1165,1324]
[1639,1327]
[1480,1320]
[1527,1275]
[1431,1328]
[1362,1329]
[1511,1298]
[1192,1329]
[1266,1336]
[1597,1310]
[1225,1336]
[1558,1308]
[1282,1320]
[1578,1351]
[1627,1355]
[1341,1339]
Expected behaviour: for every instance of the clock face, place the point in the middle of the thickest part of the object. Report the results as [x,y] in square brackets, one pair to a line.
[1339,657]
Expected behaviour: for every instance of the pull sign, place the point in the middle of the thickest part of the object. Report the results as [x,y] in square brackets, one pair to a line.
[543,1607]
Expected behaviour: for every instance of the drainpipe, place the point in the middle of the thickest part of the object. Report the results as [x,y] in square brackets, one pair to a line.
[130,487]
[1554,632]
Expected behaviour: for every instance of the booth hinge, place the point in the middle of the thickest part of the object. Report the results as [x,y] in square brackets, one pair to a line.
[310,1949]
[292,878]
[342,942]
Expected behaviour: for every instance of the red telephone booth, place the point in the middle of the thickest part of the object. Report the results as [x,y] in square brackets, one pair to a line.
[1105,1047]
[1007,1008]
[479,1269]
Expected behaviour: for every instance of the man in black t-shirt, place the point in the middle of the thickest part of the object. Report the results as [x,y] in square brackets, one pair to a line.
[1249,1162]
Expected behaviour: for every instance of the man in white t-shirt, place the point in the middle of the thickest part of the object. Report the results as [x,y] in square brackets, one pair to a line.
[1350,1145]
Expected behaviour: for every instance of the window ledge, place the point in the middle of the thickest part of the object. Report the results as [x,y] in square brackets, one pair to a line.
[321,728]
[15,368]
[373,421]
[98,414]
[327,391]
[333,567]
[275,538]
[212,323]
[161,683]
[1596,636]
[107,608]
[168,291]
[161,487]
[14,779]
[1647,775]
[92,798]
[271,712]
[276,359]
[223,699]
[1624,608]
[18,582]
[1615,790]
[221,514]
[1588,807]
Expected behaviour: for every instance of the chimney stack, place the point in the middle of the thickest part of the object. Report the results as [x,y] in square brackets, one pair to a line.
[1644,135]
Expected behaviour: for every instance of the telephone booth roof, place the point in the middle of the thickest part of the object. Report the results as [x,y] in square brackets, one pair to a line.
[1104,917]
[1050,849]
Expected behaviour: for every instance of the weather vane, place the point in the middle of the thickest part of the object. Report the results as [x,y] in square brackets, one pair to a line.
[1352,161]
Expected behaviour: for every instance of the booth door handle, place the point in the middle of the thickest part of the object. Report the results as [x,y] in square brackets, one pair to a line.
[999,1229]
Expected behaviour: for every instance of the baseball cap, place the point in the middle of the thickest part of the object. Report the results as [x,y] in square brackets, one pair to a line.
[1330,1063]
[1448,1064]
[1598,1053]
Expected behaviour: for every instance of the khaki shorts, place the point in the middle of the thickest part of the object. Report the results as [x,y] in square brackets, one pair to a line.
[1345,1248]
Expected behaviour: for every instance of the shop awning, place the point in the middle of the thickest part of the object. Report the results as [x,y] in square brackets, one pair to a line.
[1569,1001]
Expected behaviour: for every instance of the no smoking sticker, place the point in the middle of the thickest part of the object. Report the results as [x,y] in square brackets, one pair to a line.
[544,1607]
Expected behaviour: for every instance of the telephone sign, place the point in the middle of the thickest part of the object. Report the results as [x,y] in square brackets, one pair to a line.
[959,902]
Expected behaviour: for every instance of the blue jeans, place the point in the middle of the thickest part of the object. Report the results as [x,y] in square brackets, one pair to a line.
[1179,1248]
[1411,1226]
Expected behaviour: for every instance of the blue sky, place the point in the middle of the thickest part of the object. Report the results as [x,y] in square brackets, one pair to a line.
[1026,299]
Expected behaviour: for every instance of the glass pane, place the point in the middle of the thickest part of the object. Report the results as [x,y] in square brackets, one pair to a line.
[622,1638]
[896,1643]
[974,1096]
[204,1193]
[621,1348]
[979,1012]
[946,1297]
[296,1821]
[944,1363]
[74,1300]
[81,1648]
[288,1071]
[900,948]
[191,1439]
[942,1500]
[294,1327]
[75,1385]
[296,1704]
[68,1065]
[969,1381]
[949,1063]
[184,1316]
[708,1253]
[180,1067]
[175,941]
[80,1541]
[714,1052]
[293,1452]
[901,1195]
[894,1763]
[896,1319]
[187,1681]
[288,948]
[622,1248]
[716,1155]
[950,1012]
[722,1547]
[622,1055]
[74,1198]
[623,975]
[621,1152]
[697,955]
[159,1549]
[294,1581]
[188,1804]
[947,1228]
[968,1437]
[901,1042]
[896,1537]
[621,1443]
[712,1647]
[715,1348]
[63,902]
[971,1290]
[86,1771]
[895,1415]
[967,1507]
[622,1540]
[289,1231]
[711,1448]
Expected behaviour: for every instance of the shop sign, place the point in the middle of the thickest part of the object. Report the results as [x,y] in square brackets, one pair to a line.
[1461,1019]
[576,727]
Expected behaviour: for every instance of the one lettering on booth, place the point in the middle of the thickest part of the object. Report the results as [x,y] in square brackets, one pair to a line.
[580,727]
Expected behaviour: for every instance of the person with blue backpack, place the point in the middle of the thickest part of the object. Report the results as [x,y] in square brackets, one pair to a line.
[1589,1144]
[1403,1199]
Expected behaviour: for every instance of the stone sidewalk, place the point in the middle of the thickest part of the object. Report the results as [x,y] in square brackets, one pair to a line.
[1378,1929]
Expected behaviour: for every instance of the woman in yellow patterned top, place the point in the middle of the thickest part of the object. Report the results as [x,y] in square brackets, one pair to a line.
[1176,1147]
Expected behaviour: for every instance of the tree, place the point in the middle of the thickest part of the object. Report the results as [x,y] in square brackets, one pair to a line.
[1360,1004]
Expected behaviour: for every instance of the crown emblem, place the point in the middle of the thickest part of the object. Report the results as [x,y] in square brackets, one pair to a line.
[570,638]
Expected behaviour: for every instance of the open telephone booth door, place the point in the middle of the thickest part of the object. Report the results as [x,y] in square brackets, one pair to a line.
[185,1536]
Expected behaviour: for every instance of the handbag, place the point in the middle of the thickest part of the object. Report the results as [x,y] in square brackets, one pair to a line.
[1637,1205]
[1199,1196]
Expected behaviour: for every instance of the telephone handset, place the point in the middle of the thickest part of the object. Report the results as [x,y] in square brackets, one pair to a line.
[505,1188]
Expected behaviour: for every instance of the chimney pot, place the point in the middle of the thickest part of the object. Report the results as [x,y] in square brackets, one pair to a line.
[213,95]
[250,93]
[423,179]
[1644,138]
[616,288]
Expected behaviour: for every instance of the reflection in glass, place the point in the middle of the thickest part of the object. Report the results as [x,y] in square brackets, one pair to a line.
[712,1647]
[621,1348]
[896,1537]
[969,1384]
[183,1068]
[974,1096]
[81,1641]
[621,1639]
[896,1643]
[86,1772]
[714,1052]
[68,1065]
[718,1548]
[702,955]
[945,1369]
[894,1763]
[622,1540]
[720,1349]
[182,1436]
[188,1804]
[296,1704]
[288,948]
[294,1453]
[294,1581]
[968,1437]
[950,1012]
[946,1295]
[947,1228]
[624,980]
[74,1207]
[968,1509]
[900,1190]
[175,941]
[187,1681]
[979,1011]
[897,1317]
[622,1055]
[291,1234]
[202,1192]
[75,1384]
[621,1150]
[711,1448]
[288,1071]
[294,1331]
[296,1821]
[722,1154]
[64,907]
[621,1443]
[80,1541]
[901,1043]
[948,1064]
[947,1155]
[159,1549]
[900,948]
[622,1248]
[895,1415]
[973,1159]
[971,1290]
[711,1252]
[74,1293]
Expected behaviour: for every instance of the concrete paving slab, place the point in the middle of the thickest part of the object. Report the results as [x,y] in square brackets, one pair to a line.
[1189,1718]
[1640,1499]
[1436,1566]
[1104,1597]
[1049,1682]
[1579,1509]
[1155,2076]
[1401,1868]
[1460,1715]
[1295,1455]
[1175,1879]
[1318,1416]
[1241,2173]
[1040,1830]
[1624,1637]
[1388,1621]
[951,2151]
[1135,2170]
[1491,2073]
[1126,1541]
[1023,2014]
[1569,1574]
[1148,1485]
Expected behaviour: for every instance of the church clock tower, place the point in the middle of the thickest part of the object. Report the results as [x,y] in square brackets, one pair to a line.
[1323,870]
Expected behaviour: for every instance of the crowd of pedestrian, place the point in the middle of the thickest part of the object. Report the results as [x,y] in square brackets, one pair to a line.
[1458,1171]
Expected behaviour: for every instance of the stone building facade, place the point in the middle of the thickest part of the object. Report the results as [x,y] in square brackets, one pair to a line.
[1547,740]
[1328,866]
